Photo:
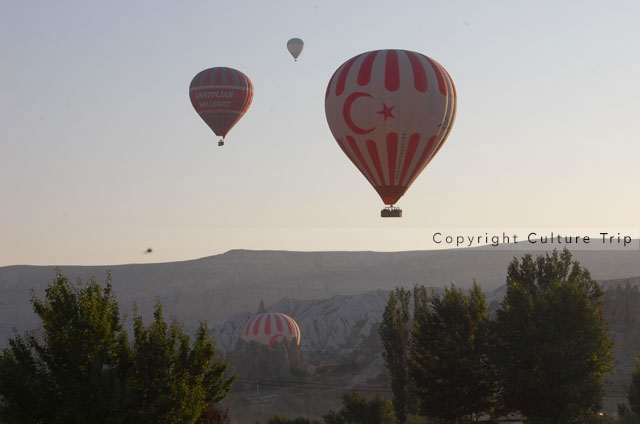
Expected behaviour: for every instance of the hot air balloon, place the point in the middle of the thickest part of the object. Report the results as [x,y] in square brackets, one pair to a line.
[221,96]
[295,46]
[271,327]
[390,112]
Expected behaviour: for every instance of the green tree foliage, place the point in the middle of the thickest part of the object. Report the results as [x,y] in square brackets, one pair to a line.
[449,361]
[600,418]
[173,382]
[633,392]
[417,419]
[629,412]
[395,335]
[356,409]
[214,414]
[420,300]
[626,415]
[84,369]
[550,343]
[73,375]
[280,419]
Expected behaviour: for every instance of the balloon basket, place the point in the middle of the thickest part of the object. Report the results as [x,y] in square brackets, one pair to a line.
[391,212]
[221,143]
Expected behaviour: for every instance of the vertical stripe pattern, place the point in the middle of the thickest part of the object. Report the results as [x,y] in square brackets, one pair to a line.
[390,112]
[221,96]
[268,328]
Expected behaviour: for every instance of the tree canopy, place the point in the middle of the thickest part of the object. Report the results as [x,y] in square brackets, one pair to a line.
[550,343]
[357,409]
[280,419]
[629,411]
[448,361]
[395,336]
[83,368]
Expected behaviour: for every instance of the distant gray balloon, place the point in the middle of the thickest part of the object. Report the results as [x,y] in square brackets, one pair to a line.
[295,46]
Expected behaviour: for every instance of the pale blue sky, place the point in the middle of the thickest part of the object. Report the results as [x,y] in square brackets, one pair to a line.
[102,154]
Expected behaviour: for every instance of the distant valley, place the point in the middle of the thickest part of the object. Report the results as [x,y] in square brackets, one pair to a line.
[337,298]
[216,287]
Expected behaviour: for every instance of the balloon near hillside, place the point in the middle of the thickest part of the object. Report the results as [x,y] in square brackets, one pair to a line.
[390,112]
[271,327]
[221,96]
[295,47]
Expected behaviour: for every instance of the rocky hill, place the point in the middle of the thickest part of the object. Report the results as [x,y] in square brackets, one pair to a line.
[341,343]
[216,287]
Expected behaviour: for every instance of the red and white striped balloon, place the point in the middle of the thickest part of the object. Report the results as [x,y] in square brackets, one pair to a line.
[390,112]
[271,327]
[221,96]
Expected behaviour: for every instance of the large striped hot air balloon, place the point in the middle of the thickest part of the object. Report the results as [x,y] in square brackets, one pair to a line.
[390,112]
[221,96]
[271,327]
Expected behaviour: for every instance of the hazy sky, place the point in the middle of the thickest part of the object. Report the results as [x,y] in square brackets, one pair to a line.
[103,156]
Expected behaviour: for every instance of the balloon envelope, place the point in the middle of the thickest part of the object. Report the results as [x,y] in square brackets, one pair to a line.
[390,112]
[270,327]
[221,96]
[295,47]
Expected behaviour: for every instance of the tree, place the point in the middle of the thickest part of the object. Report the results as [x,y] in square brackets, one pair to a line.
[213,414]
[73,375]
[550,344]
[629,412]
[173,382]
[280,419]
[448,362]
[626,415]
[357,409]
[85,369]
[395,335]
[633,392]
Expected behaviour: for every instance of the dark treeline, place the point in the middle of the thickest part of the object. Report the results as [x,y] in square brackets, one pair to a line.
[85,369]
[356,409]
[541,356]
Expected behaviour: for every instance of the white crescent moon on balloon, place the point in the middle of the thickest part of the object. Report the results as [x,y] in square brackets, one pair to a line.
[346,113]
